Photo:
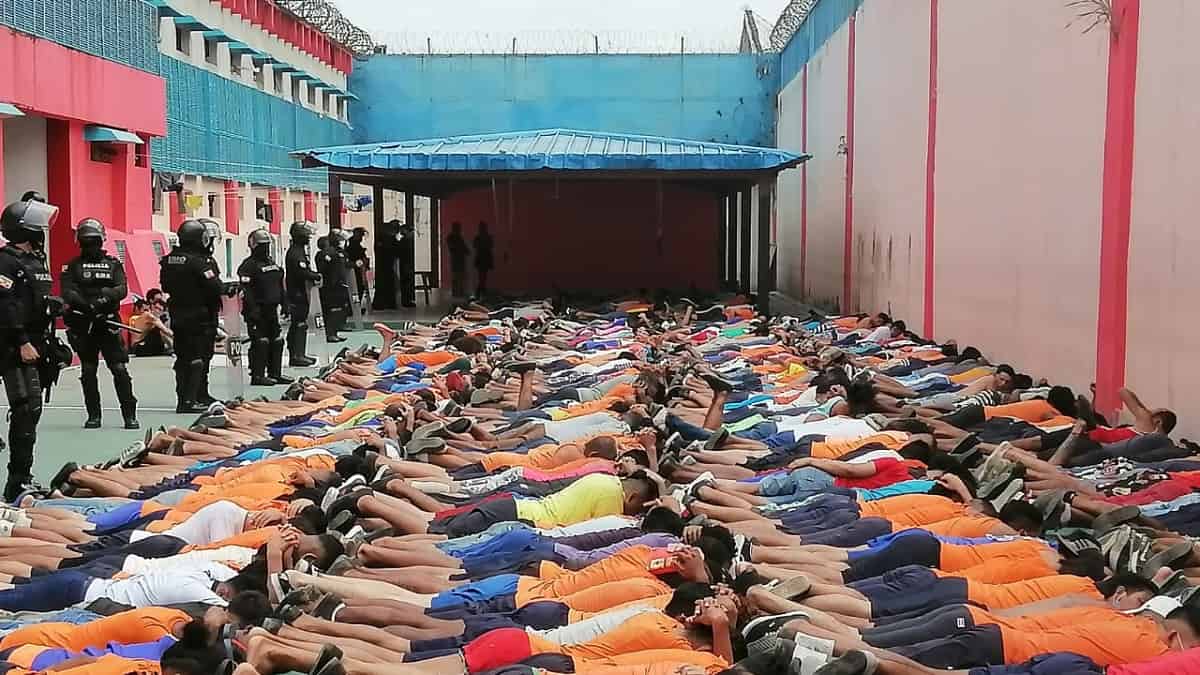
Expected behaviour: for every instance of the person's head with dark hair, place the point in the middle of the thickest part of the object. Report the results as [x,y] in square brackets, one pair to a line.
[639,490]
[631,461]
[746,580]
[1021,381]
[1164,420]
[1183,627]
[620,406]
[604,447]
[352,465]
[880,319]
[324,548]
[918,450]
[685,596]
[140,305]
[249,608]
[428,398]
[468,345]
[310,520]
[154,295]
[1023,517]
[1004,377]
[1126,590]
[721,534]
[664,520]
[1063,400]
[455,334]
[649,388]
[860,396]
[983,507]
[950,349]
[186,658]
[969,354]
[909,425]
[636,420]
[717,557]
[899,328]
[1086,563]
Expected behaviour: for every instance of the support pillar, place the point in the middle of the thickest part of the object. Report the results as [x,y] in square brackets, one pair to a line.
[377,209]
[729,278]
[721,244]
[310,206]
[2,197]
[766,280]
[435,240]
[335,202]
[275,200]
[233,212]
[744,245]
[410,210]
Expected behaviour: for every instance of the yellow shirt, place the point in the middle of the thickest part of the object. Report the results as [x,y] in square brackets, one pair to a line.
[592,496]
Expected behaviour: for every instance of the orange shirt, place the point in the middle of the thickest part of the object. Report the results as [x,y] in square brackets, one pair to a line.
[972,374]
[630,563]
[1116,639]
[961,556]
[1007,569]
[286,471]
[543,457]
[834,449]
[912,510]
[136,625]
[969,526]
[1036,410]
[1008,595]
[606,596]
[1067,616]
[428,358]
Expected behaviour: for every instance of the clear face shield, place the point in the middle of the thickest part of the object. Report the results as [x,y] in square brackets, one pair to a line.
[212,233]
[33,224]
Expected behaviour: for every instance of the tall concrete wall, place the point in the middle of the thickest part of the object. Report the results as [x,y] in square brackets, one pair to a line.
[712,97]
[1005,164]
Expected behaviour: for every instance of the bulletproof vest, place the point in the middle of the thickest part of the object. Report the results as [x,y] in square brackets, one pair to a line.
[93,276]
[262,281]
[332,265]
[182,275]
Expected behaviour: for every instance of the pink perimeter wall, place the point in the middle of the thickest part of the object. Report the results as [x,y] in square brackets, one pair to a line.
[609,243]
[1020,187]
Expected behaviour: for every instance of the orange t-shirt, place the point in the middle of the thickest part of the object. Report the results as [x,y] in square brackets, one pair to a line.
[631,563]
[427,358]
[836,448]
[543,457]
[1035,410]
[1007,569]
[961,556]
[1009,595]
[972,374]
[613,594]
[1067,616]
[1116,639]
[912,510]
[968,526]
[284,471]
[136,625]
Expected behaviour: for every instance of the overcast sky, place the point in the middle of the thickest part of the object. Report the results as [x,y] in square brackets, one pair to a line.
[556,25]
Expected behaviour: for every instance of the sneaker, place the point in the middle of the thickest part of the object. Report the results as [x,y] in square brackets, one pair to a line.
[853,662]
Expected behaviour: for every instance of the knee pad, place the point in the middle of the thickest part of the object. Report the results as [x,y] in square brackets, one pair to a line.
[88,368]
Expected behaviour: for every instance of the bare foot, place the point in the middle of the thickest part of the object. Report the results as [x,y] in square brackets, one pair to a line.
[386,333]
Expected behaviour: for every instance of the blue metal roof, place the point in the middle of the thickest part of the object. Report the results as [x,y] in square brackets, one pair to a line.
[217,36]
[96,133]
[556,149]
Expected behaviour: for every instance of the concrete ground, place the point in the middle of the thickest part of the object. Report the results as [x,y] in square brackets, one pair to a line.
[62,438]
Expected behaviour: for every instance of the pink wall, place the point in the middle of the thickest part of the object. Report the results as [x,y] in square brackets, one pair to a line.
[1029,171]
[1162,359]
[609,244]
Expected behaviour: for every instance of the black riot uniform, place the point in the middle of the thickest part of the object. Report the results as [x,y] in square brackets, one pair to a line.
[356,253]
[192,280]
[262,296]
[93,286]
[27,313]
[299,279]
[335,288]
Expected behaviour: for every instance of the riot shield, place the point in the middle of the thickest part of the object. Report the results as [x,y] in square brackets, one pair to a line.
[235,368]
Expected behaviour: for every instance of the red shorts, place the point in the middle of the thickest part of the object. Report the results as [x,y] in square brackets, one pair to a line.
[496,649]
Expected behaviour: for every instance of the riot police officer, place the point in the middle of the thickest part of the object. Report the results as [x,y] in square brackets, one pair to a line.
[26,317]
[335,288]
[192,279]
[93,286]
[299,279]
[262,294]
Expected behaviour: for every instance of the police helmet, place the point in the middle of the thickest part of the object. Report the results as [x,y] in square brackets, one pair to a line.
[90,228]
[193,233]
[302,230]
[27,216]
[33,196]
[338,236]
[259,237]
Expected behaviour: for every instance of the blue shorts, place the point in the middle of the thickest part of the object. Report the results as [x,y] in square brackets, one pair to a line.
[1060,663]
[909,589]
[482,591]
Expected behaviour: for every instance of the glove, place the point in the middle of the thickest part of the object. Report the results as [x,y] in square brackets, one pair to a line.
[54,306]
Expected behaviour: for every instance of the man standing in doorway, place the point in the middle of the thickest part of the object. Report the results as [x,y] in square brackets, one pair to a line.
[484,262]
[407,259]
[356,253]
[385,266]
[456,246]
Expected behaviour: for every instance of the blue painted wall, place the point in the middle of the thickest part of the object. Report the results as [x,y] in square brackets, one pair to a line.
[727,98]
[822,22]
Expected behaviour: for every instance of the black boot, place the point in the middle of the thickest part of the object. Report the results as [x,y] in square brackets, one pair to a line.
[91,394]
[275,362]
[187,385]
[202,396]
[258,364]
[297,345]
[123,384]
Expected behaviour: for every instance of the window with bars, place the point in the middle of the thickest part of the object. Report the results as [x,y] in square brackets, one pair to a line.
[120,244]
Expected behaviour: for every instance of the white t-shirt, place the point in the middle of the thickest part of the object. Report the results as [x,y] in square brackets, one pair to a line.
[600,524]
[576,428]
[237,556]
[834,427]
[879,335]
[160,588]
[217,521]
[591,628]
